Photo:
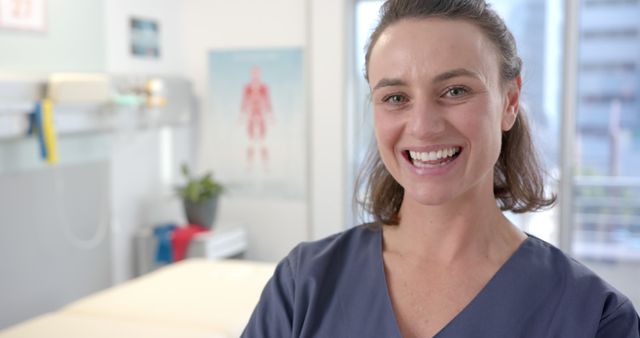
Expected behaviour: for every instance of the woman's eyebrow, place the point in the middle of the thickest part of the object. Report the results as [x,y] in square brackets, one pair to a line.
[386,82]
[458,72]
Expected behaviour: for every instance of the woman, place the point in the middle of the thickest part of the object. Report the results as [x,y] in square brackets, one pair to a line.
[453,149]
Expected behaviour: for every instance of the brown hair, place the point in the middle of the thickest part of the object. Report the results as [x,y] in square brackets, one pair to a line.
[518,176]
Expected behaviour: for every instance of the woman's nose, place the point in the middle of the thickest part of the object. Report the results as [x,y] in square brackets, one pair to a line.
[425,120]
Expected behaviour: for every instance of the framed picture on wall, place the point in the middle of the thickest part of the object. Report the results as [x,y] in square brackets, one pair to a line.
[145,38]
[258,136]
[27,15]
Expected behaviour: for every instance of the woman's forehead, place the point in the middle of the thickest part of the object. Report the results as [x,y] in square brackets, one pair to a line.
[431,46]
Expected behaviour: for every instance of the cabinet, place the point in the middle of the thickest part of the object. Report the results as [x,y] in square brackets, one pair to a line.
[224,241]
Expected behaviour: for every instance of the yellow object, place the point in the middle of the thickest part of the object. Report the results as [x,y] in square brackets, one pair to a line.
[49,132]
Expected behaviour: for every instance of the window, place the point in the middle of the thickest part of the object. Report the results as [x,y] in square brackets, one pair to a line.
[606,191]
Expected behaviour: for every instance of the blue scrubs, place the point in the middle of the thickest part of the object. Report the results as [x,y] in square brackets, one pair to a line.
[336,287]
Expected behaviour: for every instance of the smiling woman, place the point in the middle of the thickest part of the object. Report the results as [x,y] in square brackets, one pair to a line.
[454,100]
[517,180]
[453,151]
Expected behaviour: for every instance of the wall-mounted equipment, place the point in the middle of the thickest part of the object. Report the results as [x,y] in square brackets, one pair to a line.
[86,103]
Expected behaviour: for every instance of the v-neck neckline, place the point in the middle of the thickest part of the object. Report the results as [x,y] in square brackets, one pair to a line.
[492,280]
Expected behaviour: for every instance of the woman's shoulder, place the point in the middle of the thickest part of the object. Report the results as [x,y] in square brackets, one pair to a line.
[326,288]
[577,281]
[552,260]
[339,248]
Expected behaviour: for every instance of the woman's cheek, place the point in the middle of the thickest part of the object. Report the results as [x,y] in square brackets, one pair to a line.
[387,129]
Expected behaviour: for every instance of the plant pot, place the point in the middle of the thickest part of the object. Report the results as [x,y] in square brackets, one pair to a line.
[201,213]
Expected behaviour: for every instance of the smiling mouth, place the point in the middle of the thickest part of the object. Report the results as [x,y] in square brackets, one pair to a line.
[431,159]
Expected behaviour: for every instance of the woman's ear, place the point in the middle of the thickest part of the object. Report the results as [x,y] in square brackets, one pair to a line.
[512,103]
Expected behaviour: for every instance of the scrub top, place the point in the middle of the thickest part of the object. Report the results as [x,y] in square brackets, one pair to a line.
[336,288]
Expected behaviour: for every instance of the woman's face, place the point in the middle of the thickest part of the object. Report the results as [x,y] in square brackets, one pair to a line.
[440,108]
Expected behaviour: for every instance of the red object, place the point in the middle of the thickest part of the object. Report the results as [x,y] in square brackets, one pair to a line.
[181,238]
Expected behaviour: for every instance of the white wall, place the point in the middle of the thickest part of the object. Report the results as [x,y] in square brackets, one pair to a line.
[318,27]
[328,68]
[139,197]
[73,41]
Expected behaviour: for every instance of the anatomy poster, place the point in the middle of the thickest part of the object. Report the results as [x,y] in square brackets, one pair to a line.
[258,100]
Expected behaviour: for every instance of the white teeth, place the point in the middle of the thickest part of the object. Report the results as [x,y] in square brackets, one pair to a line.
[427,165]
[433,155]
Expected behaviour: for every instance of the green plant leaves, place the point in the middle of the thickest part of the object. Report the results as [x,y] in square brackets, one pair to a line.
[199,189]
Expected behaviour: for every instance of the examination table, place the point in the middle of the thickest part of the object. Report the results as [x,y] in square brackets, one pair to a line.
[191,298]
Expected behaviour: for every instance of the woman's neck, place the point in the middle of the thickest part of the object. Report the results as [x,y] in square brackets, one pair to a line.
[460,230]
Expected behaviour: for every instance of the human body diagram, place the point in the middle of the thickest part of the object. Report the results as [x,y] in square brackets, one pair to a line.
[256,113]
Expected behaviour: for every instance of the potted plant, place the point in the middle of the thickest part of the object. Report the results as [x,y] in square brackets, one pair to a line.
[200,197]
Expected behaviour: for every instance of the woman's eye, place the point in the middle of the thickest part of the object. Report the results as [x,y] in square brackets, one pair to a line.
[395,99]
[456,91]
